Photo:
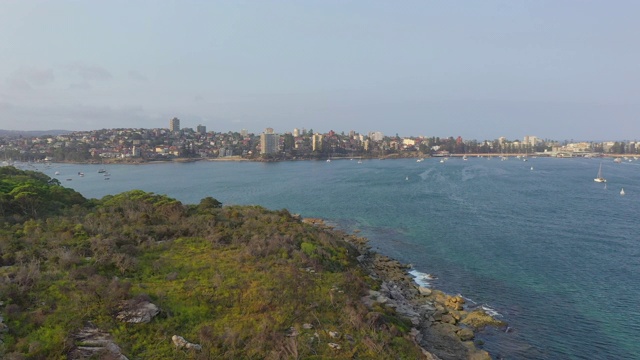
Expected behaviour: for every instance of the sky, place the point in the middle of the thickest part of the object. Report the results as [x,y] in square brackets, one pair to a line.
[478,69]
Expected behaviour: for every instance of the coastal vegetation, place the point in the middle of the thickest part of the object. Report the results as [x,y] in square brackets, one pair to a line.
[240,282]
[141,275]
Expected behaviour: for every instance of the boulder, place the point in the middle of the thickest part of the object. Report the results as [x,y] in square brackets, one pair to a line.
[448,319]
[138,312]
[478,319]
[424,291]
[465,334]
[181,343]
[455,302]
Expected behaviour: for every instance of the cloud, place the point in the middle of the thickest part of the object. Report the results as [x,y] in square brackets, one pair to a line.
[75,117]
[28,78]
[80,86]
[90,73]
[136,76]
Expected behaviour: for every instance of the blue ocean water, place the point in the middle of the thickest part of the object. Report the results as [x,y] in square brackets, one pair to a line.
[556,254]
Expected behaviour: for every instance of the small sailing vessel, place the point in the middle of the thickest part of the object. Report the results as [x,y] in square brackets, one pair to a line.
[599,178]
[622,191]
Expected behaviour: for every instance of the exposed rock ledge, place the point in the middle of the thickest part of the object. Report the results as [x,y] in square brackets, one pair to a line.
[93,343]
[442,326]
[136,311]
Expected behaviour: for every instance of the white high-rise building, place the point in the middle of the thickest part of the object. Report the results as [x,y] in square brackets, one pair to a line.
[269,142]
[530,140]
[376,136]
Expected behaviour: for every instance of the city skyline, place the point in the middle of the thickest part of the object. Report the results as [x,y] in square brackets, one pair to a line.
[476,70]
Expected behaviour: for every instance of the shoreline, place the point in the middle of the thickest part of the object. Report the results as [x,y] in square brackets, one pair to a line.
[443,325]
[238,158]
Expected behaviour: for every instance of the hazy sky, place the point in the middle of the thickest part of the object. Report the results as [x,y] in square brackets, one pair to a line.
[479,69]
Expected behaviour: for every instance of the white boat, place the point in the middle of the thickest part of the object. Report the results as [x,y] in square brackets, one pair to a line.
[599,178]
[617,160]
[622,191]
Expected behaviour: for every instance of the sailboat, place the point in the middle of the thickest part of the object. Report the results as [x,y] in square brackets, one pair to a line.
[622,191]
[599,178]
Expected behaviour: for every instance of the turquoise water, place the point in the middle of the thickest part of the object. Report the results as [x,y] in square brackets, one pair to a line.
[554,253]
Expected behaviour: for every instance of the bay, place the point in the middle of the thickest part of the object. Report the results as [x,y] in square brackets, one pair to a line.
[555,254]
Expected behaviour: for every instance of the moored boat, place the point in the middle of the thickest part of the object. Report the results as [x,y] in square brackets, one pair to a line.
[599,178]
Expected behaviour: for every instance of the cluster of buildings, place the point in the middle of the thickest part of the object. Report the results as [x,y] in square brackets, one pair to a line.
[137,145]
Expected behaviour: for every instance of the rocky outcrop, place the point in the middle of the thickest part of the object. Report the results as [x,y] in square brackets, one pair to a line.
[137,312]
[93,343]
[478,319]
[181,343]
[439,320]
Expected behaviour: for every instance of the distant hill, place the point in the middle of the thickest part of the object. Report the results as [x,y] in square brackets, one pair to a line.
[16,133]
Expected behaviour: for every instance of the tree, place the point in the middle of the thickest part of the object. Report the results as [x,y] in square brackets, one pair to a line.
[209,203]
[289,142]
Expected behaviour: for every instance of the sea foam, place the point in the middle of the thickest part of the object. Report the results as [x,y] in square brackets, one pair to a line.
[422,279]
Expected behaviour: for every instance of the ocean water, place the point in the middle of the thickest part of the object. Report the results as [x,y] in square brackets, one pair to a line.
[553,253]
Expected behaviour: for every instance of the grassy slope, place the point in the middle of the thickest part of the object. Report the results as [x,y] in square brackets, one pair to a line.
[233,279]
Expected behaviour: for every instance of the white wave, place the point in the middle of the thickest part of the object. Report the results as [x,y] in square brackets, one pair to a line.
[490,311]
[469,300]
[422,279]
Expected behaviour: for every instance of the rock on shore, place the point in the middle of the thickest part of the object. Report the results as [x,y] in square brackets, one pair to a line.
[442,327]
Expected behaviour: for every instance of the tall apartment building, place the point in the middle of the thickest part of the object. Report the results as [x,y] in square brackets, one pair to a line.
[316,142]
[201,129]
[269,142]
[174,124]
[376,135]
[530,140]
